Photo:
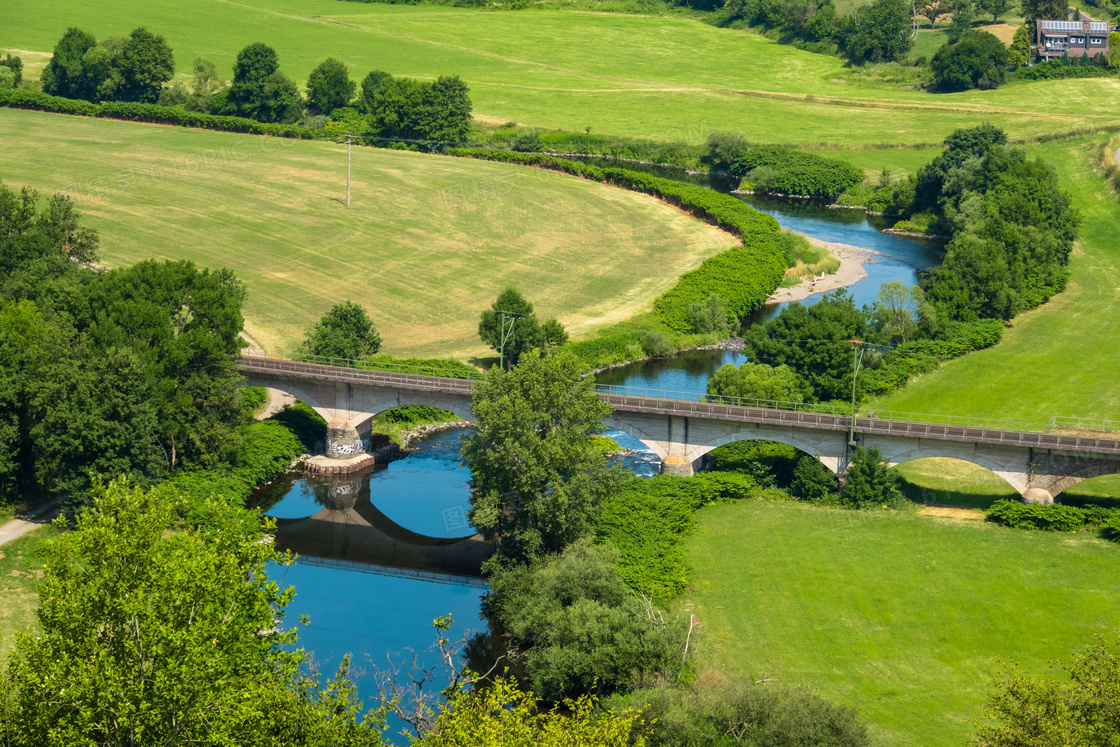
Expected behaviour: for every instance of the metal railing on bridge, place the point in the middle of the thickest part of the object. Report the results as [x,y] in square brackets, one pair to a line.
[872,417]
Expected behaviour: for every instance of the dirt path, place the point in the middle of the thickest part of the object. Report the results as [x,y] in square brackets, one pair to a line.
[29,521]
[952,512]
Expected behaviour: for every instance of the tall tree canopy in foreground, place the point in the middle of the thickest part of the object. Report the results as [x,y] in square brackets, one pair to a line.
[537,482]
[148,636]
[1083,712]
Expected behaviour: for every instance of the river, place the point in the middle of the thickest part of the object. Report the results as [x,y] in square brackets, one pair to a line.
[382,554]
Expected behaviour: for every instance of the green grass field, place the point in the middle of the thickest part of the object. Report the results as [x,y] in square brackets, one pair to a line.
[428,242]
[20,562]
[666,78]
[904,617]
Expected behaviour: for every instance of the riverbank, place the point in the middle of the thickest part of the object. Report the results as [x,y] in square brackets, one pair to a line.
[850,272]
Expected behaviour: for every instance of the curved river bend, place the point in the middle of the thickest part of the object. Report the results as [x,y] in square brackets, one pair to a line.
[383,554]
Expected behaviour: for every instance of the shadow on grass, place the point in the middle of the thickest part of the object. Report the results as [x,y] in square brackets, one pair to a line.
[925,495]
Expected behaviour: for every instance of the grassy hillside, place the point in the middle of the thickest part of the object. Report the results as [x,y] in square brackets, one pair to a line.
[901,616]
[428,242]
[657,77]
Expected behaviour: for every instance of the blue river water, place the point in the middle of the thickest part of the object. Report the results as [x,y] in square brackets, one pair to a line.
[380,554]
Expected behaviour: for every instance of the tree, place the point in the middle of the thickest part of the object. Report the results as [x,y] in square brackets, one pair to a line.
[710,316]
[994,8]
[503,715]
[260,91]
[932,11]
[1083,712]
[553,333]
[963,14]
[1114,50]
[370,84]
[153,636]
[204,84]
[395,106]
[146,63]
[869,481]
[15,66]
[329,87]
[64,75]
[537,480]
[514,333]
[1020,50]
[879,32]
[724,148]
[758,381]
[445,110]
[345,331]
[812,481]
[898,310]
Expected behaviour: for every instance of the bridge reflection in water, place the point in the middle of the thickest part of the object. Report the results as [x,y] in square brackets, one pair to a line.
[349,532]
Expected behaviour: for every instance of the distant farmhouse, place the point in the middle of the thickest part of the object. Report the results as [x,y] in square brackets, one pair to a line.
[1075,38]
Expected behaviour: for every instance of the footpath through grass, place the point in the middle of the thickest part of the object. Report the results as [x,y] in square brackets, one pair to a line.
[664,78]
[20,565]
[901,616]
[427,243]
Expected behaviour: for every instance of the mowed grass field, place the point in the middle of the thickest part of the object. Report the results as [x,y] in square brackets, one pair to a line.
[427,243]
[904,617]
[663,78]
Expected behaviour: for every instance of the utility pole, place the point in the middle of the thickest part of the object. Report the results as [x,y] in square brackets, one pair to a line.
[505,335]
[857,360]
[349,140]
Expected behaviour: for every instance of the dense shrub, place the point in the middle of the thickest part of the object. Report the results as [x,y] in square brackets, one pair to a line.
[812,481]
[978,60]
[1059,69]
[647,522]
[1053,517]
[769,463]
[584,631]
[765,715]
[305,424]
[903,362]
[869,481]
[796,172]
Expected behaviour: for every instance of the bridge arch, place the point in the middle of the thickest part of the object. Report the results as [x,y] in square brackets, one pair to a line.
[1099,469]
[657,447]
[949,450]
[326,413]
[828,454]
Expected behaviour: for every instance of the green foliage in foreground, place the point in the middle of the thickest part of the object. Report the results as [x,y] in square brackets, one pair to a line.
[765,715]
[1083,712]
[648,519]
[758,381]
[797,172]
[584,630]
[345,331]
[148,636]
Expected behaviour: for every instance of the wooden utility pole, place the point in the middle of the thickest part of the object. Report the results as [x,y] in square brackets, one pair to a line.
[349,140]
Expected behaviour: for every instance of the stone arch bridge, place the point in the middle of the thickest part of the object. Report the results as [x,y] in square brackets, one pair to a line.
[1038,464]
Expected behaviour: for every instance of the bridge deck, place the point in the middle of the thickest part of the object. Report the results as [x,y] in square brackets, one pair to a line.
[685,408]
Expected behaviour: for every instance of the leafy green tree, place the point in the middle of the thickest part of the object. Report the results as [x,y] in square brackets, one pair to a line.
[812,481]
[205,82]
[869,481]
[260,91]
[65,75]
[503,715]
[813,341]
[978,60]
[1114,50]
[724,149]
[370,84]
[495,328]
[345,331]
[1020,51]
[994,8]
[149,636]
[931,11]
[964,13]
[710,316]
[553,333]
[445,109]
[758,381]
[1045,10]
[395,107]
[15,66]
[146,64]
[103,70]
[898,310]
[329,86]
[879,32]
[1081,712]
[537,480]
[581,627]
[7,79]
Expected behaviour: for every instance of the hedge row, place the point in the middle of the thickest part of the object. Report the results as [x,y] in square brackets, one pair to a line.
[796,172]
[922,356]
[1055,517]
[743,276]
[153,113]
[649,519]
